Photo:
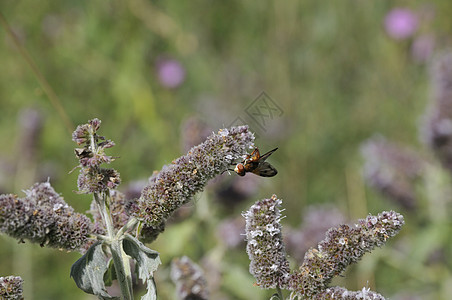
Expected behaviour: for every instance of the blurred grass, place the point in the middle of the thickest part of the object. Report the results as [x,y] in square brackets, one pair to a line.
[331,68]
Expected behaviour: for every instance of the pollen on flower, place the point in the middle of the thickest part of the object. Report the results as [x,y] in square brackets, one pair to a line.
[224,132]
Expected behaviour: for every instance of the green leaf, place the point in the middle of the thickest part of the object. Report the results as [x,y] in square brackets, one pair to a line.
[88,272]
[147,262]
[110,274]
[151,291]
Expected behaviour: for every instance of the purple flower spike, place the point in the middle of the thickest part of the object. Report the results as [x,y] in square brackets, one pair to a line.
[176,183]
[342,246]
[44,217]
[265,248]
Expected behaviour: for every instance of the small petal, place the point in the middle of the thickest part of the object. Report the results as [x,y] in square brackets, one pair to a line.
[11,288]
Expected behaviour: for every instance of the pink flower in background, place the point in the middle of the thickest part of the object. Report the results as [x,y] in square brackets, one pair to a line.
[401,23]
[422,48]
[170,72]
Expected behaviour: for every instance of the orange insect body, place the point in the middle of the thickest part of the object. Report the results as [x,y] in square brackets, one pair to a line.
[255,163]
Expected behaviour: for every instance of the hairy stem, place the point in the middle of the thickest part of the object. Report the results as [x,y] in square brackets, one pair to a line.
[120,259]
[278,290]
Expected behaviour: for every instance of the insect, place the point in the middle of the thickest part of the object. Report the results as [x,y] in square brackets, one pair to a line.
[255,163]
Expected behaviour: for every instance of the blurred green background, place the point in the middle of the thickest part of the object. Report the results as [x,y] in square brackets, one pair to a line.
[334,71]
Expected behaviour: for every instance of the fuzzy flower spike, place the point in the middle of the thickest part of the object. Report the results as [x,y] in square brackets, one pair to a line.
[44,217]
[178,182]
[93,178]
[265,247]
[342,246]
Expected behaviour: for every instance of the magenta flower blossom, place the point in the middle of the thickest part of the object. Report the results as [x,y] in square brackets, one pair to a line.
[171,73]
[401,23]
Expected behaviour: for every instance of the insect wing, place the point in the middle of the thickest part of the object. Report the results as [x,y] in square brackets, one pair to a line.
[266,155]
[265,169]
[250,166]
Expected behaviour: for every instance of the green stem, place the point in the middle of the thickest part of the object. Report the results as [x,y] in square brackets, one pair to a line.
[122,269]
[280,295]
[120,259]
[130,224]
